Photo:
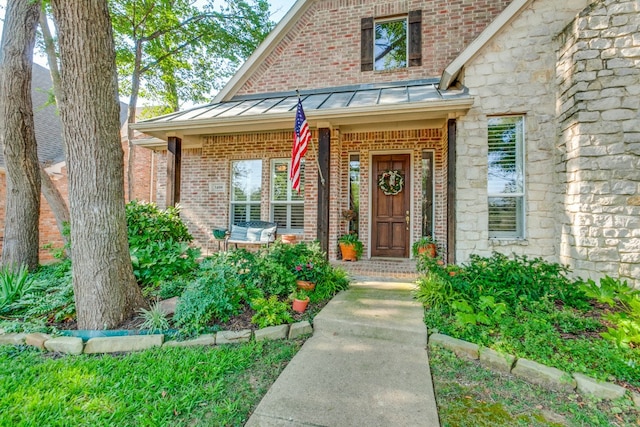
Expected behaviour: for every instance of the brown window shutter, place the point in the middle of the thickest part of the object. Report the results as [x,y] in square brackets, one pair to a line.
[366,60]
[415,38]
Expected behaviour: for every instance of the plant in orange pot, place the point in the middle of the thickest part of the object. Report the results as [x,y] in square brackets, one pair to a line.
[350,247]
[307,275]
[300,301]
[425,245]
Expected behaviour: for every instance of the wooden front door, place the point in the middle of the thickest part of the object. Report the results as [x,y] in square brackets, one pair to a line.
[391,213]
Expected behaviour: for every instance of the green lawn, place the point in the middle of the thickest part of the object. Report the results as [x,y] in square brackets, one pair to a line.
[470,395]
[202,386]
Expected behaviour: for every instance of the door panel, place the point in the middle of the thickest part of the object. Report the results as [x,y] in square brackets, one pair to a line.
[390,231]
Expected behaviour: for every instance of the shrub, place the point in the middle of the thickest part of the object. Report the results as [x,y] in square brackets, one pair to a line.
[332,281]
[13,285]
[270,312]
[50,296]
[161,261]
[272,277]
[146,224]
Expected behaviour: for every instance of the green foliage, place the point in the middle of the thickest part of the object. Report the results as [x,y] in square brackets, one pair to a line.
[332,281]
[216,295]
[50,296]
[161,261]
[154,318]
[186,50]
[147,224]
[272,278]
[14,283]
[530,308]
[270,312]
[158,242]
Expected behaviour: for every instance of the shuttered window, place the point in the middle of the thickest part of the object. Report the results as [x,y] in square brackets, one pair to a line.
[287,206]
[505,180]
[391,43]
[246,190]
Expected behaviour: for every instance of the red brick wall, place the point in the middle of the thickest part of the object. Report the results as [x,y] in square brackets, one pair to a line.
[323,48]
[204,210]
[48,228]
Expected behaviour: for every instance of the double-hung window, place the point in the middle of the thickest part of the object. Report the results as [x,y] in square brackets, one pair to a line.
[505,180]
[287,205]
[246,190]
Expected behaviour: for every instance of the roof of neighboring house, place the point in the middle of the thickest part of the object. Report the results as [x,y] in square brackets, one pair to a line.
[47,120]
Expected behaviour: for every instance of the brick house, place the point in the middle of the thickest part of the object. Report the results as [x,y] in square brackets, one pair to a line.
[514,124]
[48,129]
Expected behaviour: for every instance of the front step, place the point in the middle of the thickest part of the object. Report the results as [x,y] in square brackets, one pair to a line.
[379,310]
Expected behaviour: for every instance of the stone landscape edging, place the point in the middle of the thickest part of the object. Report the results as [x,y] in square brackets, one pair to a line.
[533,372]
[128,343]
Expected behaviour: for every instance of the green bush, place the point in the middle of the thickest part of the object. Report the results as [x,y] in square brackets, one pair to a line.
[13,285]
[272,278]
[270,312]
[158,242]
[332,281]
[50,296]
[146,224]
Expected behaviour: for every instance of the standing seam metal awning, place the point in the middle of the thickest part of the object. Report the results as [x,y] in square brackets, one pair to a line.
[318,100]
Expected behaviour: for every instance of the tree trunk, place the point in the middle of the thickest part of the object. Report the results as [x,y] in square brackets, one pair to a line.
[105,289]
[17,135]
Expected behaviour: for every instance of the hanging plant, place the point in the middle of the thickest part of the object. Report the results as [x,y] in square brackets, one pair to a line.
[391,182]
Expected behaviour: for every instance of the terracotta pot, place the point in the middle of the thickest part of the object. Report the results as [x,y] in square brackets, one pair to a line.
[300,306]
[306,285]
[430,250]
[289,238]
[348,252]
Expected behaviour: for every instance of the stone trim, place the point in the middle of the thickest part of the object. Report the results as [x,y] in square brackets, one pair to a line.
[129,343]
[533,372]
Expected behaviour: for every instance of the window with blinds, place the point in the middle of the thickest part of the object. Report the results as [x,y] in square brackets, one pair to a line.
[246,190]
[505,180]
[287,206]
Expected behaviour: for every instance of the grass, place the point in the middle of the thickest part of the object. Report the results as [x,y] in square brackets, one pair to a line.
[159,387]
[468,394]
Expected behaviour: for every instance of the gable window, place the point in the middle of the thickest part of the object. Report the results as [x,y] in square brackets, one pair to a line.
[246,190]
[505,183]
[287,205]
[391,43]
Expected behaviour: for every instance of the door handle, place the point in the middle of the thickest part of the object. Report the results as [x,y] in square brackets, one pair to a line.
[407,219]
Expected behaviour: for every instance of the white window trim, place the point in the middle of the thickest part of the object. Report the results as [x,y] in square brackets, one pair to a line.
[520,156]
[233,203]
[288,202]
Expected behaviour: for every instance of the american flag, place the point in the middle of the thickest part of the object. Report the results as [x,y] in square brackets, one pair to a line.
[301,138]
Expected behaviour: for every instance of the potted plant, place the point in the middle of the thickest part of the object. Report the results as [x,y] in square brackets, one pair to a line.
[425,245]
[300,301]
[350,247]
[307,276]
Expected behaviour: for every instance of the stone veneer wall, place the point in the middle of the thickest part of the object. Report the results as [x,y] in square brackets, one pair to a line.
[513,74]
[598,77]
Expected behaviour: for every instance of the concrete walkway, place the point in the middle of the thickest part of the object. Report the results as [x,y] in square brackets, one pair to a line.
[365,365]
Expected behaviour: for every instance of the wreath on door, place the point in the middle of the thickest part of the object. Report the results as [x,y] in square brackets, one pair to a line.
[391,182]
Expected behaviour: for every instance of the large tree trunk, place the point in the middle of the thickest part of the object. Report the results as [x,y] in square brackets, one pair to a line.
[105,289]
[17,135]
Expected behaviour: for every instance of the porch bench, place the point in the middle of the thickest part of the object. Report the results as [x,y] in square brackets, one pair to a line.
[252,233]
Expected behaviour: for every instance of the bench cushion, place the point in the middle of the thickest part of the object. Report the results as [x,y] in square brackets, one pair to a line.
[238,233]
[268,234]
[254,234]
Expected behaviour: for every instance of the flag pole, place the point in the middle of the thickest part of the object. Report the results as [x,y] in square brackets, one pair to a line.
[313,146]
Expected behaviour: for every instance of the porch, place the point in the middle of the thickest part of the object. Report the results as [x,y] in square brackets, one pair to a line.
[380,268]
